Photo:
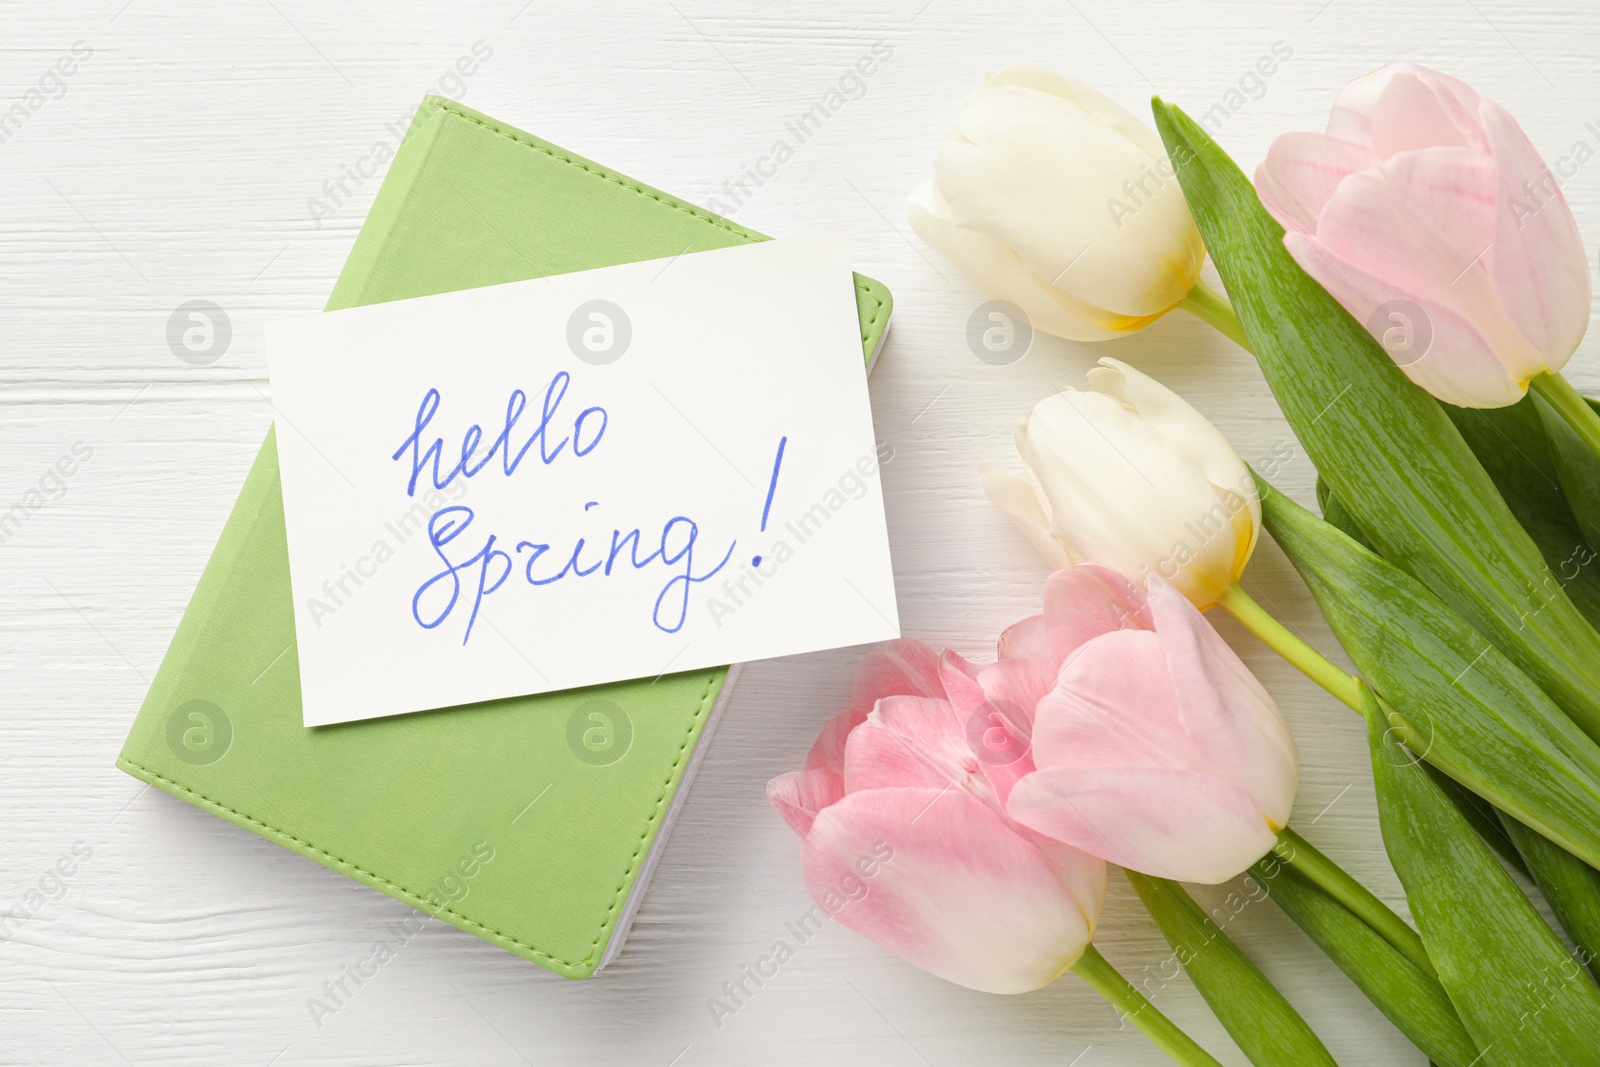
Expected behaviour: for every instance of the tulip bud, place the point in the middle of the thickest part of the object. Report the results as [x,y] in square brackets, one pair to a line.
[1157,750]
[902,811]
[1129,476]
[1051,196]
[1427,212]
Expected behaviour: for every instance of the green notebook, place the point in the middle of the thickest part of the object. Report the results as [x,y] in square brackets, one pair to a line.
[533,822]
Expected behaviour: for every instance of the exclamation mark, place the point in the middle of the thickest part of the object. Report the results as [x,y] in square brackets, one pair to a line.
[772,487]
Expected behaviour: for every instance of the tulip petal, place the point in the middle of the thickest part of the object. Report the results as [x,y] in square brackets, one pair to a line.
[1173,417]
[1227,714]
[1170,823]
[799,795]
[827,751]
[1358,102]
[1458,365]
[1301,173]
[1411,231]
[1099,463]
[1018,682]
[1421,110]
[961,688]
[1539,267]
[1461,220]
[999,719]
[1113,705]
[1085,209]
[1396,224]
[1028,639]
[906,666]
[956,670]
[952,890]
[1083,602]
[1102,108]
[1018,498]
[1449,195]
[1084,874]
[910,741]
[1351,116]
[1002,276]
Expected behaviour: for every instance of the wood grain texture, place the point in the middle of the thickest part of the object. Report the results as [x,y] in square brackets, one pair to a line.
[179,164]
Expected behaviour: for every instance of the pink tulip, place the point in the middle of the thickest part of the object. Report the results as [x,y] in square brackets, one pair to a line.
[901,806]
[1427,212]
[1156,749]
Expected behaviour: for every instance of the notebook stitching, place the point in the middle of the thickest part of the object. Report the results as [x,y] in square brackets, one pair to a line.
[410,896]
[676,205]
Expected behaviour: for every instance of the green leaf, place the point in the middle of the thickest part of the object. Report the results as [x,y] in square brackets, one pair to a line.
[1414,1001]
[1461,704]
[1337,515]
[1570,885]
[1576,466]
[1523,998]
[1485,818]
[1510,440]
[1513,446]
[1386,447]
[1262,1023]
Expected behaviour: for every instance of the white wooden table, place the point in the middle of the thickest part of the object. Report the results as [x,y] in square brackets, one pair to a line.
[180,164]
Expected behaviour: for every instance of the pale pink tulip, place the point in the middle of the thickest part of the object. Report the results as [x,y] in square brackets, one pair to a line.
[1427,212]
[1156,749]
[901,806]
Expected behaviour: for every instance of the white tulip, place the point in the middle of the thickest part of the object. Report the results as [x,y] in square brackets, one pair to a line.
[1129,476]
[1051,196]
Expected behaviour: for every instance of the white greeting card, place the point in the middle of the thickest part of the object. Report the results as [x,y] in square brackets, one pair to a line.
[579,479]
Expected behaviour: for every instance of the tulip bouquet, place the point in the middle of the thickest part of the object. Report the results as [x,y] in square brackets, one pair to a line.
[1411,283]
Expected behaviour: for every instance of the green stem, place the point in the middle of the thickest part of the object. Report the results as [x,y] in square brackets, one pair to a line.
[1212,308]
[1310,662]
[1293,848]
[1570,405]
[1304,857]
[1132,1005]
[1280,639]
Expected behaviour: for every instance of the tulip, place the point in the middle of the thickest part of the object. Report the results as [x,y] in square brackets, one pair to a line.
[901,806]
[1051,196]
[1130,476]
[1156,749]
[1427,212]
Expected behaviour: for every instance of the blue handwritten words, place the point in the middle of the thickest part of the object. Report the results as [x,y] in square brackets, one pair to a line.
[475,564]
[587,430]
[481,567]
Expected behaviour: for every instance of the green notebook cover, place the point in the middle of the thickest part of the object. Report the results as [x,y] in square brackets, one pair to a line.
[532,822]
